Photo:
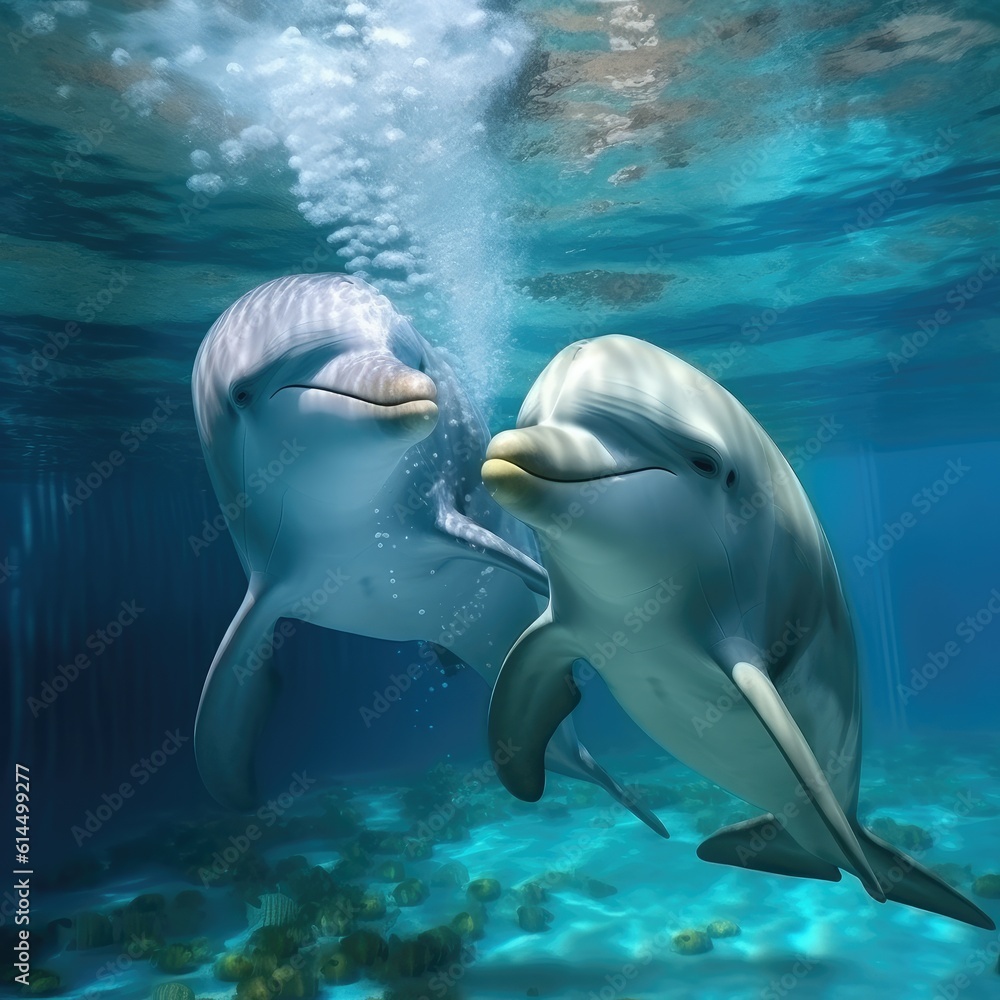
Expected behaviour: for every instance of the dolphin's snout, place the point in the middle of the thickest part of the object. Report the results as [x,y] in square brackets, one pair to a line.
[372,388]
[409,386]
[519,462]
[409,397]
[507,483]
[382,381]
[562,454]
[415,419]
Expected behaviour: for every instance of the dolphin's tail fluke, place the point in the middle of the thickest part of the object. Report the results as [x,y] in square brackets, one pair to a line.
[905,880]
[566,755]
[764,845]
[240,688]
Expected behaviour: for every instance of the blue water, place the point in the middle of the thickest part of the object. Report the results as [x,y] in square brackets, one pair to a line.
[800,199]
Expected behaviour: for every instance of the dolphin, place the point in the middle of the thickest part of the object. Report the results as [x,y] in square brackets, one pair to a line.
[688,567]
[345,456]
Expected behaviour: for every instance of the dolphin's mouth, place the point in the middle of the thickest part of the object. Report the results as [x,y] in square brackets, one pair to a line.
[593,478]
[361,399]
[522,492]
[559,453]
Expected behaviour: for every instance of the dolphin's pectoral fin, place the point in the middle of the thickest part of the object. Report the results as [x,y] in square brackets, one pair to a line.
[763,698]
[763,845]
[481,544]
[589,770]
[534,692]
[530,729]
[906,881]
[237,697]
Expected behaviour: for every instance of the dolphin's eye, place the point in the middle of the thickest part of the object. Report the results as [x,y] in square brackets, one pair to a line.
[241,396]
[705,465]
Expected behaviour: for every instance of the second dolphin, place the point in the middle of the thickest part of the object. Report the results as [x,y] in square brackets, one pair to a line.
[378,449]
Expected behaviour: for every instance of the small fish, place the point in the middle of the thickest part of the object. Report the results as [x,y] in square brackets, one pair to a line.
[275,910]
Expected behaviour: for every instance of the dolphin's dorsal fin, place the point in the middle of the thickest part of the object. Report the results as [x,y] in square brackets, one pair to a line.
[762,696]
[482,545]
[239,691]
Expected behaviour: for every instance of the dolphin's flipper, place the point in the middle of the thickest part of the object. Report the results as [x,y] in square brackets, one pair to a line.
[534,694]
[237,697]
[765,846]
[763,698]
[907,881]
[565,754]
[482,544]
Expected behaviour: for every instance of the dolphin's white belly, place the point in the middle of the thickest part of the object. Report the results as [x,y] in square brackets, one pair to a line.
[683,701]
[392,593]
[401,586]
[693,711]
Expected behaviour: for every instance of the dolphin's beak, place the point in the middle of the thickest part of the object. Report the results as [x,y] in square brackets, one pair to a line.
[520,462]
[400,400]
[508,484]
[551,451]
[383,382]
